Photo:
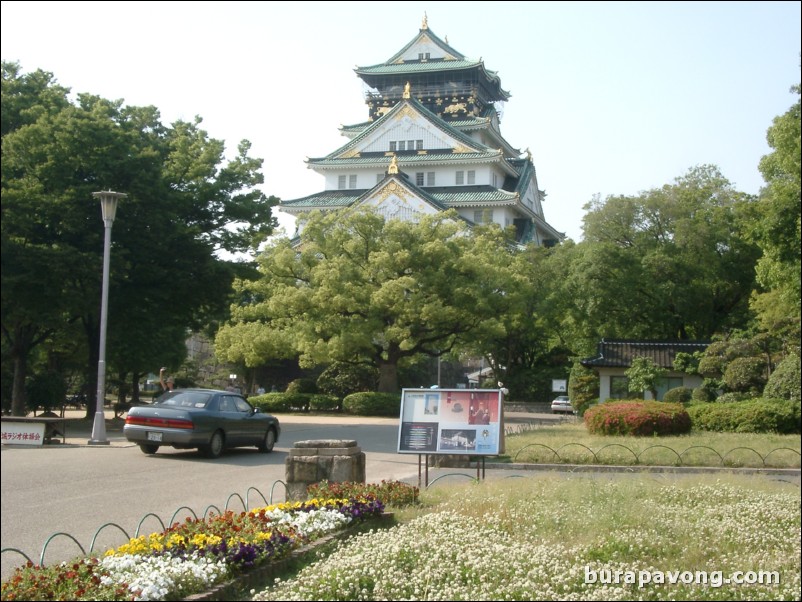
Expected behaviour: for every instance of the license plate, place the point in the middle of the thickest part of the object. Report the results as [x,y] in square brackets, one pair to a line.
[154,436]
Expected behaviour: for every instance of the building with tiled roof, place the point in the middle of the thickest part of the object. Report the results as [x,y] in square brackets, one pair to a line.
[432,142]
[614,358]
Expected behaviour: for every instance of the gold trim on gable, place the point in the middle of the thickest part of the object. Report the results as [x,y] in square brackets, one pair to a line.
[405,111]
[392,188]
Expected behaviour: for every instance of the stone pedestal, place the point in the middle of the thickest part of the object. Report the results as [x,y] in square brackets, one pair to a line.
[334,460]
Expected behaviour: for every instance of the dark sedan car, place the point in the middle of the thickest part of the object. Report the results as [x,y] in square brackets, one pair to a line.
[201,418]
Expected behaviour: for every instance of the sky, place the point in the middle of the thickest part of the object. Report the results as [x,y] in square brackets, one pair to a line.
[611,98]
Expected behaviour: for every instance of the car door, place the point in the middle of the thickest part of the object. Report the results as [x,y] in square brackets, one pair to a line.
[230,420]
[253,427]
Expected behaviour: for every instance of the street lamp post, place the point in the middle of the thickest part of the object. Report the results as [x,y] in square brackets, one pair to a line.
[108,205]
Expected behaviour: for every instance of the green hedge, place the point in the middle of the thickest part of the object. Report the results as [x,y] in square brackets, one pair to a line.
[678,395]
[759,415]
[637,417]
[325,403]
[296,402]
[373,404]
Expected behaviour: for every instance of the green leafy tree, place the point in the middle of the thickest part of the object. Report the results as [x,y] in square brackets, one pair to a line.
[362,290]
[670,263]
[643,374]
[583,387]
[186,205]
[785,381]
[777,228]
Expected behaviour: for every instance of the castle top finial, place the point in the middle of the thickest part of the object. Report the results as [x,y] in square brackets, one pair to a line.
[406,91]
[393,169]
[425,23]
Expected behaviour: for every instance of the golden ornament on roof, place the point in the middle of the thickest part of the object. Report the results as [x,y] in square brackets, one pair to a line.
[406,91]
[393,169]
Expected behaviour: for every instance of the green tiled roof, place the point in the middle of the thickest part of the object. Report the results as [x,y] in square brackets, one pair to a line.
[451,196]
[331,199]
[459,195]
[381,159]
[416,67]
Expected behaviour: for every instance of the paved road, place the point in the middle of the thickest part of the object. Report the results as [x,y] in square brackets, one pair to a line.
[76,488]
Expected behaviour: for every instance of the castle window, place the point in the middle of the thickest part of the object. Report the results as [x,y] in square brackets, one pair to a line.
[393,145]
[352,181]
[430,178]
[471,177]
[402,145]
[419,178]
[341,182]
[460,178]
[418,144]
[483,216]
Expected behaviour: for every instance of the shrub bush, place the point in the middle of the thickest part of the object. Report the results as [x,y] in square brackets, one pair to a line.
[678,395]
[373,404]
[343,379]
[271,402]
[324,403]
[784,382]
[747,374]
[732,397]
[583,388]
[637,417]
[302,385]
[702,394]
[759,415]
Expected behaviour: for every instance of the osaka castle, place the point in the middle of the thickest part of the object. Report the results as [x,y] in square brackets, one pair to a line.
[432,142]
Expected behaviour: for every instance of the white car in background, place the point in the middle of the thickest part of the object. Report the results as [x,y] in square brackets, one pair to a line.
[562,405]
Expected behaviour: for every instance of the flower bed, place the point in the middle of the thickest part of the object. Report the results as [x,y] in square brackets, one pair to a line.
[191,557]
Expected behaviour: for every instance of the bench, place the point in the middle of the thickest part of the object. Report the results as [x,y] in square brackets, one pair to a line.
[35,430]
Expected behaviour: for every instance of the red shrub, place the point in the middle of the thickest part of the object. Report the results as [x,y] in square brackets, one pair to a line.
[637,417]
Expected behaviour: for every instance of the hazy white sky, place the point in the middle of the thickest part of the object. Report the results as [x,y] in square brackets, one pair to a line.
[611,97]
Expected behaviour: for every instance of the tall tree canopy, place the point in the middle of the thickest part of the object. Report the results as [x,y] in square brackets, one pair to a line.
[777,229]
[186,204]
[670,263]
[360,289]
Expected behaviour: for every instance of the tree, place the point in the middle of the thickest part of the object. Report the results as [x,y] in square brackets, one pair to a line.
[777,227]
[643,375]
[670,263]
[186,205]
[360,289]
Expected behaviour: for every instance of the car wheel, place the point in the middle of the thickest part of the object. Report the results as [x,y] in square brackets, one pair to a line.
[268,442]
[215,446]
[149,448]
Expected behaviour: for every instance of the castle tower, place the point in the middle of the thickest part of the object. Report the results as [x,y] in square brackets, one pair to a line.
[432,142]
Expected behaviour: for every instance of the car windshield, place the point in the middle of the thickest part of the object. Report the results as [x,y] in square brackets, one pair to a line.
[186,399]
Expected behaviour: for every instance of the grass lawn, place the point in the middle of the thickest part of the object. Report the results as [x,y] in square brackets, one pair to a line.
[570,442]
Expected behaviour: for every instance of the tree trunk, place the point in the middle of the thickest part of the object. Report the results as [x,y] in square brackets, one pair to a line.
[135,387]
[20,350]
[18,391]
[388,378]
